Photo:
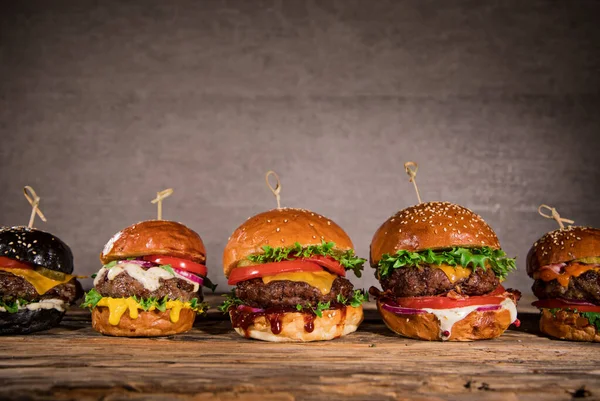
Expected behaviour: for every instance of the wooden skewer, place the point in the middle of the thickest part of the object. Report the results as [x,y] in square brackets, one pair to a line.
[411,169]
[165,193]
[554,215]
[34,201]
[277,188]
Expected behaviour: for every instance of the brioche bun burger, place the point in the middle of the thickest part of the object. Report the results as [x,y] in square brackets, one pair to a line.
[440,267]
[565,265]
[289,268]
[36,285]
[149,284]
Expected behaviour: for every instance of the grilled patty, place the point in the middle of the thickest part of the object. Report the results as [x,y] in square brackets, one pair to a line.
[585,287]
[285,293]
[124,286]
[14,287]
[429,281]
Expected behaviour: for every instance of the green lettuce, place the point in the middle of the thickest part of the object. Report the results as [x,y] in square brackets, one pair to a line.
[476,258]
[346,258]
[12,306]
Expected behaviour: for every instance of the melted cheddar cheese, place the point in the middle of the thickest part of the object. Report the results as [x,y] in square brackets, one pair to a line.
[454,273]
[320,280]
[42,284]
[118,306]
[572,270]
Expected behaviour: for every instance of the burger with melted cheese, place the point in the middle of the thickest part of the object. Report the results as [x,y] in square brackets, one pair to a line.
[440,267]
[36,285]
[289,268]
[149,283]
[565,265]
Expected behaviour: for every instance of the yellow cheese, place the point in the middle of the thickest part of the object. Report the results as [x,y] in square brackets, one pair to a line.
[571,270]
[41,283]
[455,273]
[118,306]
[320,280]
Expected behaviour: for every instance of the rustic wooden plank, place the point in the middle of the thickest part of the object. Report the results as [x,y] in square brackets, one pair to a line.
[212,362]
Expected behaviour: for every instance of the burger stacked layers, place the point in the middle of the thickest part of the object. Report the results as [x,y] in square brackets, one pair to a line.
[289,268]
[149,284]
[565,265]
[440,266]
[36,284]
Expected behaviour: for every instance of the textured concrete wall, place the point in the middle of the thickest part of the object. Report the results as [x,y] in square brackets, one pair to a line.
[104,103]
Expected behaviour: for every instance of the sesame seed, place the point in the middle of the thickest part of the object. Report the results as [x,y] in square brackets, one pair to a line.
[445,229]
[268,221]
[282,240]
[285,221]
[329,223]
[400,230]
[314,236]
[278,229]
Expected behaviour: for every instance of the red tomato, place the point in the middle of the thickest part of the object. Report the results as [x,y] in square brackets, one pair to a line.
[558,303]
[178,263]
[8,262]
[493,298]
[270,269]
[329,264]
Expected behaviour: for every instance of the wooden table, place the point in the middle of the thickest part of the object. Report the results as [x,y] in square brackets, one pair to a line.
[212,363]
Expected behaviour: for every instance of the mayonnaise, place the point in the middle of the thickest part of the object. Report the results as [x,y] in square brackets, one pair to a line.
[149,278]
[57,304]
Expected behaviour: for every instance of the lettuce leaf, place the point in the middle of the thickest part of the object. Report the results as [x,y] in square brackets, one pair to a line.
[346,258]
[476,258]
[12,306]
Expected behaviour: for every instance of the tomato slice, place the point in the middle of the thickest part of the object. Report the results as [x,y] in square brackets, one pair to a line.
[559,303]
[178,263]
[328,263]
[493,298]
[13,263]
[270,269]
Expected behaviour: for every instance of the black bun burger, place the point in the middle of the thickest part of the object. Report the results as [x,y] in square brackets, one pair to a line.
[36,285]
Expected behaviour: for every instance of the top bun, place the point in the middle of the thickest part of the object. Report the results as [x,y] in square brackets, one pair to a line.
[563,245]
[431,225]
[281,228]
[155,237]
[37,247]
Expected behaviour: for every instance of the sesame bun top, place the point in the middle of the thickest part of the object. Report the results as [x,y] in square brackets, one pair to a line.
[281,228]
[431,225]
[155,237]
[563,245]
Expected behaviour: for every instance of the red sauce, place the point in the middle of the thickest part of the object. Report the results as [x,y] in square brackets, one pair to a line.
[244,317]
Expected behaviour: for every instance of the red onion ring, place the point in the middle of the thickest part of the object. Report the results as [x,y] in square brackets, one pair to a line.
[488,308]
[402,311]
[246,308]
[190,276]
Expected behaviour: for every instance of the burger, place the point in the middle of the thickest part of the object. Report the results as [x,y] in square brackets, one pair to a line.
[289,268]
[36,285]
[149,284]
[440,267]
[565,265]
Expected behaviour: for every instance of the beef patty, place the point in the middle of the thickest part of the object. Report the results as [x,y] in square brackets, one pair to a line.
[285,293]
[585,287]
[429,281]
[14,287]
[124,286]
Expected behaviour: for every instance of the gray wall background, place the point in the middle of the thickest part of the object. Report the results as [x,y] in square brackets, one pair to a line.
[104,103]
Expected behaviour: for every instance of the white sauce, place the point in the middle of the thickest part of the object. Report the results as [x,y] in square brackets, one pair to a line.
[149,278]
[57,304]
[448,317]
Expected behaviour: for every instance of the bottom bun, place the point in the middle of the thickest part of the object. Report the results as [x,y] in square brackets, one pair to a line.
[148,324]
[477,325]
[334,323]
[568,325]
[27,321]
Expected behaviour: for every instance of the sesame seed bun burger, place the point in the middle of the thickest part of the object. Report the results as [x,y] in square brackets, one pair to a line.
[565,265]
[289,267]
[440,267]
[36,285]
[149,284]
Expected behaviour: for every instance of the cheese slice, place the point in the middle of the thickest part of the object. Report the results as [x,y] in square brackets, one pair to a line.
[454,273]
[42,284]
[572,270]
[118,306]
[320,280]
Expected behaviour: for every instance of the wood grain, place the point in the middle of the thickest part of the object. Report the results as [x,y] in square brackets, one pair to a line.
[211,362]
